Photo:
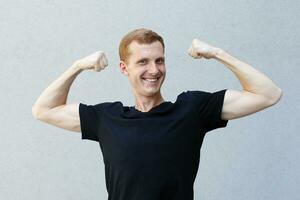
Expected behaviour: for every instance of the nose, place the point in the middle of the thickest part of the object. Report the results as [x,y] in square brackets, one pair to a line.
[153,69]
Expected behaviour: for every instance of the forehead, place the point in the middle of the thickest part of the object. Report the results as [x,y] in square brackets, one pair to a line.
[154,49]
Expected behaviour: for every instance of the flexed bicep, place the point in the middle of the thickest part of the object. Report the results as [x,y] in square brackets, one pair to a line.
[242,103]
[64,116]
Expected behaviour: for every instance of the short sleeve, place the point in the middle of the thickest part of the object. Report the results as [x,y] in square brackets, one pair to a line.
[89,121]
[209,106]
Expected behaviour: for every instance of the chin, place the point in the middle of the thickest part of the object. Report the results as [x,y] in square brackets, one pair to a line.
[150,92]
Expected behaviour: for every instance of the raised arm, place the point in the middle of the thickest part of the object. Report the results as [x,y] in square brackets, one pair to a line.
[51,105]
[259,91]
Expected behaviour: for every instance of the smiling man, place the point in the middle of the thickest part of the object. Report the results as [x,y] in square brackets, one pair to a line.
[151,150]
[145,68]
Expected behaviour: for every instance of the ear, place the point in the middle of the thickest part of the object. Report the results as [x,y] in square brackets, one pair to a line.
[123,68]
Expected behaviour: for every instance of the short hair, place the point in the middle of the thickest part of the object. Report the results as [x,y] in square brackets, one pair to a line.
[141,36]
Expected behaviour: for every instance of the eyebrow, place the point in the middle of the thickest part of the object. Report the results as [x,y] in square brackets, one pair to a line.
[162,58]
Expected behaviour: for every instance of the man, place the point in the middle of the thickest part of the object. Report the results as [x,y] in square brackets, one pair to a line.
[151,150]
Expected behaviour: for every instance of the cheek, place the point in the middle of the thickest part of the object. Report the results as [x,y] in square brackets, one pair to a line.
[163,69]
[137,76]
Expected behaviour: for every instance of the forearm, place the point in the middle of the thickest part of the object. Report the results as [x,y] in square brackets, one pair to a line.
[57,92]
[251,79]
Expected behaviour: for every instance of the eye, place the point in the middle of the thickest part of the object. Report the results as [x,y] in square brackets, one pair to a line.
[160,61]
[142,62]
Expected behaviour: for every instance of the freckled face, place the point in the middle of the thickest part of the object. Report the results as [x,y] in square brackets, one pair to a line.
[146,68]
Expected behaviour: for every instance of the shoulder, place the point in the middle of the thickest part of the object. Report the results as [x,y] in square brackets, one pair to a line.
[199,93]
[190,94]
[199,96]
[101,106]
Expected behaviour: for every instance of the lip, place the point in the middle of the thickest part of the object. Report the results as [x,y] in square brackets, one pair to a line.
[151,77]
[151,83]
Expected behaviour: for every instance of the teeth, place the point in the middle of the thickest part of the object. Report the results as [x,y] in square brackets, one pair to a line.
[151,80]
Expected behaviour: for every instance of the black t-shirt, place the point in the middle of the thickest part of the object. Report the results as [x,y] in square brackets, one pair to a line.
[152,155]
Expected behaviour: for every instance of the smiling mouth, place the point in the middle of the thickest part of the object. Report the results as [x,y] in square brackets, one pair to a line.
[151,81]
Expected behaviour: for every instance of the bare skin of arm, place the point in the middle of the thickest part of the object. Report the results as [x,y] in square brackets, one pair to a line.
[259,91]
[51,106]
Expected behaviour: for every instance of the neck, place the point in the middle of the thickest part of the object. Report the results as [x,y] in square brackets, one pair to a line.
[144,103]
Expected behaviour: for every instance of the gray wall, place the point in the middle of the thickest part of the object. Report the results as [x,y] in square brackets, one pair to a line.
[254,157]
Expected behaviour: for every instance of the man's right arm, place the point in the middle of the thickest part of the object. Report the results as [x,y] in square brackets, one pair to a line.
[51,106]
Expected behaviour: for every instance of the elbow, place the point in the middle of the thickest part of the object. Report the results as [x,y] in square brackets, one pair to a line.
[35,112]
[277,96]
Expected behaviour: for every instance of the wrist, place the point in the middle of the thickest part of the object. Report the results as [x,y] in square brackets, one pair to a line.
[218,53]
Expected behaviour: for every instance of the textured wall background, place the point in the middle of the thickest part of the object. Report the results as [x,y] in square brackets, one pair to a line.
[255,157]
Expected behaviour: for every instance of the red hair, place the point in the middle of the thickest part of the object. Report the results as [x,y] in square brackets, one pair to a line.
[142,36]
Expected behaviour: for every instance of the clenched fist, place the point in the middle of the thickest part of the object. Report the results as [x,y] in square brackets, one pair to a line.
[96,61]
[201,49]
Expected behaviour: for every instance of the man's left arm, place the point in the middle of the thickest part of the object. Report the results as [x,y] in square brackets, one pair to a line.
[259,92]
